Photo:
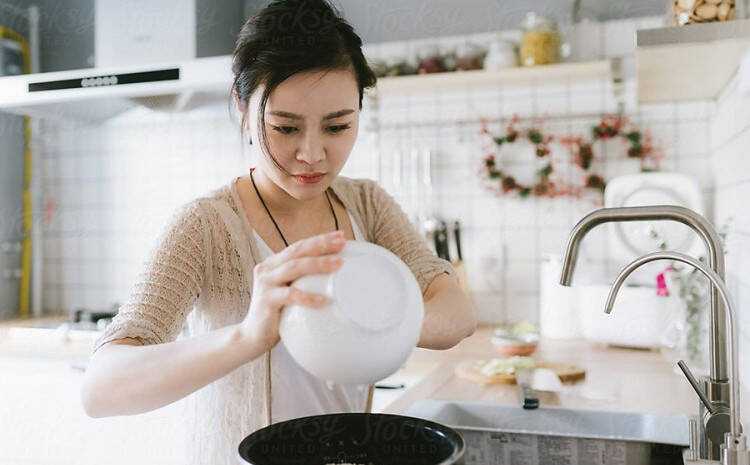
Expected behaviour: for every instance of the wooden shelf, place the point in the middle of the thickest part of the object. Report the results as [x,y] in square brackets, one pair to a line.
[520,76]
[692,62]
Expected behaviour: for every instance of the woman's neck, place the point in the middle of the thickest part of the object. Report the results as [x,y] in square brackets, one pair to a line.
[280,202]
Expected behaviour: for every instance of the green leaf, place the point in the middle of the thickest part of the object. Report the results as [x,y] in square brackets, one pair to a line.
[634,137]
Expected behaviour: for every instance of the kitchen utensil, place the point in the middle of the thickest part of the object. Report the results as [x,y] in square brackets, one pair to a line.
[457,236]
[544,379]
[429,222]
[357,438]
[471,370]
[512,345]
[371,324]
[390,386]
[529,399]
[441,241]
[502,54]
[520,339]
[458,264]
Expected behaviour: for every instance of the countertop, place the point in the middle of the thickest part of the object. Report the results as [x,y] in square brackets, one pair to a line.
[617,379]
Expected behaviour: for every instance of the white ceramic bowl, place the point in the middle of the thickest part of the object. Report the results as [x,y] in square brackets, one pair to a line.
[371,325]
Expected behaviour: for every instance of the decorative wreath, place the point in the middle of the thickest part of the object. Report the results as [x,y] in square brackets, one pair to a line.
[580,149]
[640,144]
[544,186]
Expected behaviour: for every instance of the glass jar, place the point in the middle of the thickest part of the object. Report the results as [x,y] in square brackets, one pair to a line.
[469,57]
[681,12]
[502,54]
[430,60]
[540,43]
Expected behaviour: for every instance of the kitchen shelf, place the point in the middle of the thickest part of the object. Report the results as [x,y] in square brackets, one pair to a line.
[199,82]
[560,73]
[692,62]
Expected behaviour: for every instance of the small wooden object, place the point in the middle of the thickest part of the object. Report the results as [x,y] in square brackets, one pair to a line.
[470,369]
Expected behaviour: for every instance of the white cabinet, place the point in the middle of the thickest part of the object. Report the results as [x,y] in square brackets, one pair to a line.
[43,422]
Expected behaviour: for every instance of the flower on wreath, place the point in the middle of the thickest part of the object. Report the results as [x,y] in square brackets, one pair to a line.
[640,143]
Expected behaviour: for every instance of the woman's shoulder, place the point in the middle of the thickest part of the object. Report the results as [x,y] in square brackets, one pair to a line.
[204,211]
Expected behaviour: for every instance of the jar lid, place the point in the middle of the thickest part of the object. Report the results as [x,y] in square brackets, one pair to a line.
[535,21]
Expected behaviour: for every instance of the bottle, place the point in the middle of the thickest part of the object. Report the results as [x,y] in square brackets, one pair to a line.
[540,43]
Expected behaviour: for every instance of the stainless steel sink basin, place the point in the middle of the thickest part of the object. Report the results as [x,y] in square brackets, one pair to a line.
[501,434]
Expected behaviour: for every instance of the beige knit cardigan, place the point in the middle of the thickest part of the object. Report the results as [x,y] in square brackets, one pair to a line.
[199,277]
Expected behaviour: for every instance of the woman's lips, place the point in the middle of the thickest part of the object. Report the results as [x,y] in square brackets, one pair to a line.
[310,179]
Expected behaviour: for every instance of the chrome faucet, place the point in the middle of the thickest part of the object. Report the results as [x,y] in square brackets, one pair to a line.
[715,420]
[734,450]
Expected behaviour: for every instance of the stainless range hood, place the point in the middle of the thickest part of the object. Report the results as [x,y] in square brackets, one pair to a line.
[167,55]
[96,94]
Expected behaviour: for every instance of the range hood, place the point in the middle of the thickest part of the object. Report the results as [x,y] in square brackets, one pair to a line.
[693,62]
[96,94]
[168,55]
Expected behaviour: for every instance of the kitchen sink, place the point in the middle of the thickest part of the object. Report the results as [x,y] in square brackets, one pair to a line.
[504,435]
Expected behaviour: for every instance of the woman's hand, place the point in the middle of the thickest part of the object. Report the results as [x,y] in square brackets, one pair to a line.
[272,288]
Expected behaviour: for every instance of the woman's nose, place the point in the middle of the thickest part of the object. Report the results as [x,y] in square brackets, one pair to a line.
[311,151]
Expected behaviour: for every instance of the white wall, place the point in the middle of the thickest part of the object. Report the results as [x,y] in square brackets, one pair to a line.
[110,187]
[730,139]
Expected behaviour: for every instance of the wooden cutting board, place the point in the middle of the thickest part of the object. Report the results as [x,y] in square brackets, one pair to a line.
[470,369]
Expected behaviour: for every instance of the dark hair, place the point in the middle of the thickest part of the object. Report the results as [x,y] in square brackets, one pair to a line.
[288,37]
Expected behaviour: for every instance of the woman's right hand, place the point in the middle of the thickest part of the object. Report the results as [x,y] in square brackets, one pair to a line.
[272,288]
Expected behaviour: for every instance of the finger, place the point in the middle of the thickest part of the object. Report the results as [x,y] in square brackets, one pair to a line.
[298,267]
[321,244]
[288,295]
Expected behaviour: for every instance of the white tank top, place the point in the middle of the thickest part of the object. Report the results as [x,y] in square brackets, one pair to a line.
[295,392]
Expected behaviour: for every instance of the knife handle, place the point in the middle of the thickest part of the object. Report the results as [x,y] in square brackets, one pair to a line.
[457,235]
[529,400]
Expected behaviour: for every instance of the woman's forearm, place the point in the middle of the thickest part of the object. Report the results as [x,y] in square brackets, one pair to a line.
[449,317]
[124,379]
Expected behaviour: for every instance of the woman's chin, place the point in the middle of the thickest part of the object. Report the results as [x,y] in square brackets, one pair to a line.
[306,192]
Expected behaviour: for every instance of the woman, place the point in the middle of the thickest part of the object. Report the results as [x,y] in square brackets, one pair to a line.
[222,268]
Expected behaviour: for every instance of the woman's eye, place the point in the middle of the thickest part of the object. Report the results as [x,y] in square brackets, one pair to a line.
[285,129]
[337,129]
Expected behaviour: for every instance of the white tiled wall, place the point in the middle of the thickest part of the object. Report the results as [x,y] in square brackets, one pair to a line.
[506,237]
[730,131]
[111,186]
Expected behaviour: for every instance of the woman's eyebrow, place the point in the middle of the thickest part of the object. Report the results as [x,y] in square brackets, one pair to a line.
[335,114]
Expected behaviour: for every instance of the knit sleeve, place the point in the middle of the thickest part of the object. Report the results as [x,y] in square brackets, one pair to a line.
[393,230]
[168,285]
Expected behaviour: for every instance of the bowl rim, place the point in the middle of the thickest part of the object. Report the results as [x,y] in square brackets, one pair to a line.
[443,429]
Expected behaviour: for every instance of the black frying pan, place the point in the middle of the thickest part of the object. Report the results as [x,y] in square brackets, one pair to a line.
[359,438]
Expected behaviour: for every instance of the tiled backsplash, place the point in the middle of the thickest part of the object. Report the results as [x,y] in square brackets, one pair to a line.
[110,187]
[730,130]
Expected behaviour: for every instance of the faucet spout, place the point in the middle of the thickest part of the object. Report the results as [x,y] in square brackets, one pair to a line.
[730,340]
[702,227]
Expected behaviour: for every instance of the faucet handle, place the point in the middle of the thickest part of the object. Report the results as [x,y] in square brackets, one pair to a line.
[696,386]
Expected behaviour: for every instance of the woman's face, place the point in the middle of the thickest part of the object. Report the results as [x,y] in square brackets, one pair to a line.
[312,120]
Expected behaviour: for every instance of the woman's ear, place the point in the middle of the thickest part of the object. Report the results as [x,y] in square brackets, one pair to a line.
[241,106]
